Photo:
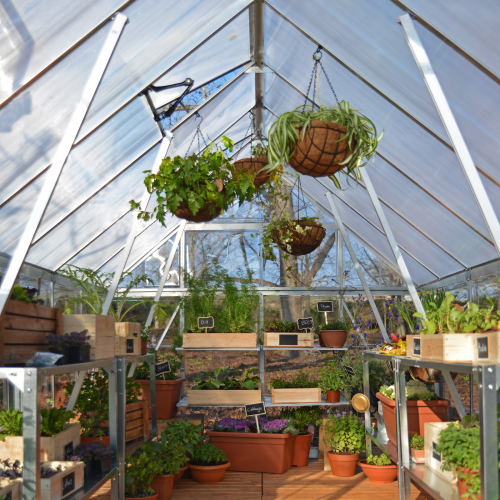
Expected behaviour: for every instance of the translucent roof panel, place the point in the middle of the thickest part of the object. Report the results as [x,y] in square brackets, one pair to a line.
[232,42]
[156,37]
[35,33]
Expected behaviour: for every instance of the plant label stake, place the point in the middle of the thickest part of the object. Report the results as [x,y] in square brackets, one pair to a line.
[162,368]
[349,370]
[255,409]
[206,323]
[325,307]
[305,324]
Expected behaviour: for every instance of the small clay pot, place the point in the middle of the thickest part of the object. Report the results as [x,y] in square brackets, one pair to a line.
[144,347]
[463,486]
[301,449]
[163,484]
[379,474]
[418,456]
[334,338]
[179,475]
[332,396]
[343,465]
[208,474]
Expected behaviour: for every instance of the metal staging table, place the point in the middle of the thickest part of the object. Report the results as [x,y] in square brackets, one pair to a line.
[487,377]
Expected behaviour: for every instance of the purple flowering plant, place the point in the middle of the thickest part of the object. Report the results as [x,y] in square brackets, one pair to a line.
[91,451]
[73,339]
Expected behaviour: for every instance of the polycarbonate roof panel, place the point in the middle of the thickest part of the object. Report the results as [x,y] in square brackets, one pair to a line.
[34,33]
[239,130]
[156,37]
[231,43]
[99,158]
[32,122]
[473,27]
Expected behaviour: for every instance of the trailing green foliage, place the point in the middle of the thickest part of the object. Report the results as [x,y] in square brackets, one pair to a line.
[302,416]
[378,460]
[300,380]
[259,150]
[209,454]
[53,420]
[416,442]
[12,423]
[344,433]
[247,380]
[183,432]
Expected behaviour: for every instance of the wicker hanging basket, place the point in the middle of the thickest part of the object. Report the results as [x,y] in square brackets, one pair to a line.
[321,150]
[256,164]
[203,215]
[302,243]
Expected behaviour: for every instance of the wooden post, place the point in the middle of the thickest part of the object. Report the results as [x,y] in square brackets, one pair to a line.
[257,424]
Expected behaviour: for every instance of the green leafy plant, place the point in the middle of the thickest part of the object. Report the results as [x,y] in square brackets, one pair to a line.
[53,420]
[406,310]
[140,471]
[247,380]
[259,150]
[300,380]
[378,460]
[344,433]
[21,294]
[205,180]
[416,442]
[170,355]
[185,433]
[169,454]
[361,135]
[302,416]
[12,423]
[331,376]
[414,391]
[209,454]
[281,326]
[334,325]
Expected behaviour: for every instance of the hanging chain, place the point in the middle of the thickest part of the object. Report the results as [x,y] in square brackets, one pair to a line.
[197,135]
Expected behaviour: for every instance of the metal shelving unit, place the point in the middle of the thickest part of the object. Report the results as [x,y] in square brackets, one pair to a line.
[315,348]
[487,377]
[268,399]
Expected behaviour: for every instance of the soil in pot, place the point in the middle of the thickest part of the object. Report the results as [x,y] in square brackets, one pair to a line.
[332,396]
[152,497]
[179,475]
[168,394]
[85,440]
[379,474]
[208,474]
[334,338]
[463,486]
[343,465]
[163,484]
[301,449]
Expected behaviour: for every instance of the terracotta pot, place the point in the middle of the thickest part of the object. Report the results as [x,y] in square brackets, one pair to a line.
[321,342]
[334,338]
[301,243]
[179,475]
[206,214]
[418,456]
[250,452]
[144,347]
[208,474]
[379,474]
[419,412]
[152,497]
[301,449]
[168,394]
[256,164]
[85,440]
[343,465]
[163,484]
[463,486]
[322,150]
[332,396]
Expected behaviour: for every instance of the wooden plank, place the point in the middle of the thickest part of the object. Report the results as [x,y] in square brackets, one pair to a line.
[20,308]
[302,395]
[59,322]
[52,488]
[145,407]
[2,340]
[133,406]
[126,329]
[447,347]
[218,340]
[19,354]
[30,324]
[133,415]
[198,398]
[14,486]
[16,337]
[134,434]
[133,424]
[304,339]
[96,324]
[127,346]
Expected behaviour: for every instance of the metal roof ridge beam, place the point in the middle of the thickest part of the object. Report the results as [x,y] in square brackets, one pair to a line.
[256,22]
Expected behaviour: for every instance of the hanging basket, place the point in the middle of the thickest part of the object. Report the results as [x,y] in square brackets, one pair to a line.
[256,164]
[301,243]
[321,151]
[204,215]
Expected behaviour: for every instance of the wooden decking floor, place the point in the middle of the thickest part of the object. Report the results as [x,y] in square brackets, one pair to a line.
[299,483]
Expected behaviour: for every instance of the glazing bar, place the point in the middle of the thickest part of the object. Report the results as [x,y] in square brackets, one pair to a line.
[76,390]
[121,399]
[454,394]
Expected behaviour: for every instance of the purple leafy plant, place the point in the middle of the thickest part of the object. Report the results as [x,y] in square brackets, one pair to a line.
[73,339]
[275,426]
[91,451]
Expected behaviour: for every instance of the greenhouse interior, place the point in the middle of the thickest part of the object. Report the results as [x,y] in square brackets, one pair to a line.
[285,285]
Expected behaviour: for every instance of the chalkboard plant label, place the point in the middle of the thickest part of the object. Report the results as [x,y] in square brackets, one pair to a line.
[207,322]
[162,368]
[68,483]
[288,339]
[349,370]
[130,346]
[483,348]
[325,306]
[255,409]
[416,346]
[435,454]
[305,323]
[68,451]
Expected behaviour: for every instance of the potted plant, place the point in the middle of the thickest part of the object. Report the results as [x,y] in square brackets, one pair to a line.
[209,464]
[295,389]
[140,470]
[301,418]
[197,188]
[271,450]
[333,334]
[145,334]
[73,346]
[283,333]
[379,469]
[331,380]
[422,405]
[255,164]
[320,142]
[344,434]
[96,456]
[417,448]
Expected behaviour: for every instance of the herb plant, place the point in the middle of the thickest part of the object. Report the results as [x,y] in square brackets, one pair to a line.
[209,454]
[140,471]
[300,380]
[334,325]
[414,390]
[416,442]
[12,423]
[247,380]
[91,451]
[331,376]
[282,326]
[53,420]
[21,294]
[174,361]
[302,416]
[170,455]
[183,432]
[344,433]
[378,460]
[259,150]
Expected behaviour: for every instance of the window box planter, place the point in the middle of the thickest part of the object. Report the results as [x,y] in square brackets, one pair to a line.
[168,394]
[248,452]
[51,448]
[63,483]
[218,340]
[127,346]
[127,329]
[432,458]
[307,395]
[443,346]
[10,489]
[292,339]
[419,412]
[485,347]
[210,398]
[379,474]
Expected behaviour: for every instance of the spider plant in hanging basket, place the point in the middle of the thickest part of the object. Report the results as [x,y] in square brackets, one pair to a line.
[321,141]
[256,165]
[197,188]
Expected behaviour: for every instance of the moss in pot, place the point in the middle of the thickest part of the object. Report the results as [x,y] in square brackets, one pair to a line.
[209,464]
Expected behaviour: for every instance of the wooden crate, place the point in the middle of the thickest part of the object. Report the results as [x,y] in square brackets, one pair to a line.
[447,347]
[11,489]
[218,340]
[432,459]
[308,395]
[63,483]
[136,420]
[412,342]
[101,330]
[51,448]
[126,329]
[485,347]
[292,339]
[127,346]
[211,398]
[24,330]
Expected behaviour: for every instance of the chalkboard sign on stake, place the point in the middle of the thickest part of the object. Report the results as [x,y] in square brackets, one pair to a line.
[482,348]
[253,410]
[349,370]
[305,323]
[162,368]
[325,307]
[206,323]
[68,484]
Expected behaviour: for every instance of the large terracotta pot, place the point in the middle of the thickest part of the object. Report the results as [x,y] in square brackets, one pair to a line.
[334,338]
[301,243]
[168,394]
[152,497]
[85,440]
[256,164]
[163,484]
[419,412]
[321,342]
[179,475]
[332,396]
[463,486]
[250,452]
[301,449]
[208,474]
[379,474]
[343,465]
